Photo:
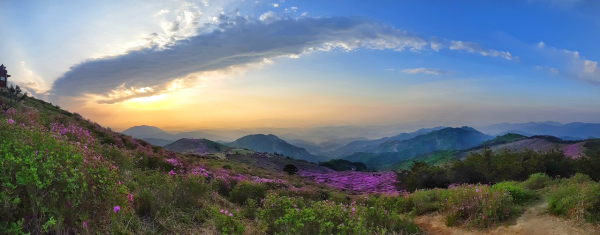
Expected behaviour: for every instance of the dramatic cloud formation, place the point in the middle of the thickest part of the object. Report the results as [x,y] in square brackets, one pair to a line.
[236,42]
[427,71]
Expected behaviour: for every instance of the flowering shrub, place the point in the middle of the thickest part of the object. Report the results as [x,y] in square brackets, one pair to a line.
[51,178]
[362,182]
[227,222]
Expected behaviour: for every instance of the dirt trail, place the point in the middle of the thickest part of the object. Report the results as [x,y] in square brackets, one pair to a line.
[535,221]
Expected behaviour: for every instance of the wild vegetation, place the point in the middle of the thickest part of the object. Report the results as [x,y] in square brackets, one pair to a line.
[61,173]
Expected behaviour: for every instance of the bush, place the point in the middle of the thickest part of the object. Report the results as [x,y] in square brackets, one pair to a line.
[290,169]
[246,190]
[227,222]
[250,209]
[519,194]
[285,215]
[577,197]
[477,205]
[537,181]
[49,184]
[422,176]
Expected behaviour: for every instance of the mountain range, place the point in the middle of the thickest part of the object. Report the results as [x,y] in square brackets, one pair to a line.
[273,144]
[393,151]
[437,143]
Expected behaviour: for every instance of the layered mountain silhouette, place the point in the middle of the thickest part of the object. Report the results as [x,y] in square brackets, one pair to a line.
[198,146]
[273,144]
[574,130]
[367,145]
[508,142]
[393,151]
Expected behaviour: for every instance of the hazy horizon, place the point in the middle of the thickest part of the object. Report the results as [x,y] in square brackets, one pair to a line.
[190,65]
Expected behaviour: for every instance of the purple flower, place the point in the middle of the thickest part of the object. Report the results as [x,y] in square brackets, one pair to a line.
[171,173]
[117,208]
[221,211]
[230,214]
[84,224]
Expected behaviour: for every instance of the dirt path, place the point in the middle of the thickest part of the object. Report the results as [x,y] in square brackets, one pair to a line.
[535,221]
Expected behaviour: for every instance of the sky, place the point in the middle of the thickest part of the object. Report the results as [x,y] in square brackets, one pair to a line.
[186,65]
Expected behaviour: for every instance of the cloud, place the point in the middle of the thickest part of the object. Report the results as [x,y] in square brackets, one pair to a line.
[569,64]
[269,17]
[237,41]
[475,48]
[427,71]
[275,5]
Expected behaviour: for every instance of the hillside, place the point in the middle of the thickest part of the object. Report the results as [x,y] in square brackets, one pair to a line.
[570,130]
[63,174]
[273,144]
[366,145]
[509,142]
[157,142]
[197,146]
[393,151]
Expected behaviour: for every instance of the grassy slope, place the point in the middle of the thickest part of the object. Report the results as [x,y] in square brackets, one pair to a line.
[63,174]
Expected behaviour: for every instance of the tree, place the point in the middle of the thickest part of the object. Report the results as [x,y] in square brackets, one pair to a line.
[10,97]
[290,169]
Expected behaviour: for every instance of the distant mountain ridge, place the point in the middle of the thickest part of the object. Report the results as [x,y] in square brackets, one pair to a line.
[273,144]
[366,145]
[198,146]
[508,142]
[393,151]
[570,130]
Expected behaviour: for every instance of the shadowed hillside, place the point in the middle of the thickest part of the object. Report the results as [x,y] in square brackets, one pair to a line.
[273,144]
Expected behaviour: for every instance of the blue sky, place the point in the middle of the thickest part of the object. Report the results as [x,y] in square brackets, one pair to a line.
[236,64]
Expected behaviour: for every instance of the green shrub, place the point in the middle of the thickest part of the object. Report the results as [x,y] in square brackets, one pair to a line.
[250,209]
[49,186]
[519,194]
[577,197]
[537,181]
[285,215]
[477,205]
[189,190]
[227,222]
[246,190]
